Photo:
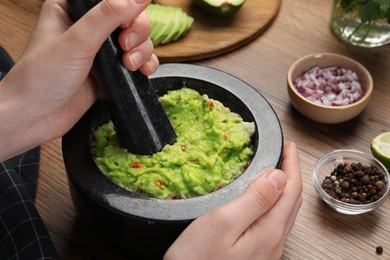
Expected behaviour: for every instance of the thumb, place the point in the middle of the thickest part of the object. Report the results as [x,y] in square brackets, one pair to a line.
[92,29]
[255,201]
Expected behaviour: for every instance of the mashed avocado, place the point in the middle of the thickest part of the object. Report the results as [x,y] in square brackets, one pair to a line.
[213,147]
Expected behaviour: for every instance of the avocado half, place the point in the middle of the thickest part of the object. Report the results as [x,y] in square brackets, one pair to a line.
[224,8]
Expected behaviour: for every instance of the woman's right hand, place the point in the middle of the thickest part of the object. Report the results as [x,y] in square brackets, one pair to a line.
[254,225]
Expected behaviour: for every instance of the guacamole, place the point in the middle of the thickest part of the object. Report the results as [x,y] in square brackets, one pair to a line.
[213,148]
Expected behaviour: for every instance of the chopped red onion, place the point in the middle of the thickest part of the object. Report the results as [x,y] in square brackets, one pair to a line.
[330,86]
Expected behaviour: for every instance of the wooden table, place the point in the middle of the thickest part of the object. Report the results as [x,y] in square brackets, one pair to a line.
[301,27]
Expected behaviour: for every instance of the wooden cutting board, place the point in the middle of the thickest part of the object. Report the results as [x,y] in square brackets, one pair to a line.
[211,36]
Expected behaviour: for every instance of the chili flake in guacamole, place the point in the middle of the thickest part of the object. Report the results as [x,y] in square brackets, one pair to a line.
[213,148]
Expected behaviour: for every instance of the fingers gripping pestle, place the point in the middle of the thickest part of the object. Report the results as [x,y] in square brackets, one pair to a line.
[139,119]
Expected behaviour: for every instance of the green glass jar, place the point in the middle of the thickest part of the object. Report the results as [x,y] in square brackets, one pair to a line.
[348,25]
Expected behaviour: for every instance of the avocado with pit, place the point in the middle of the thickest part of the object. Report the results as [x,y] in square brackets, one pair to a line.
[168,23]
[224,8]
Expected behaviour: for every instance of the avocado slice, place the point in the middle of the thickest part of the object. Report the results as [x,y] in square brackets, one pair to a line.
[157,25]
[165,18]
[175,24]
[224,8]
[185,25]
[182,23]
[168,23]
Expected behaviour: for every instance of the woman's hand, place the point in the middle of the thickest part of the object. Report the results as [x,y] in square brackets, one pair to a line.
[253,226]
[50,87]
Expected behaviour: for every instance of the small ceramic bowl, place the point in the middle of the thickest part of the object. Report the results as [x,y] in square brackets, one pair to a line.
[322,113]
[329,162]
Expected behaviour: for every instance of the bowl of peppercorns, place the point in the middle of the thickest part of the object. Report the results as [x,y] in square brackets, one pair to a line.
[350,181]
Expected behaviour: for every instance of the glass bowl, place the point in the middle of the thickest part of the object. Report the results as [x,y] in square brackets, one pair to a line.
[327,164]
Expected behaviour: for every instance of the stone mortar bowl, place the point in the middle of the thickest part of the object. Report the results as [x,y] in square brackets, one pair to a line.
[142,227]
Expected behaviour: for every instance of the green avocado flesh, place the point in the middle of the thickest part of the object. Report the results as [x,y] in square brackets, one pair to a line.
[168,23]
[213,148]
[223,8]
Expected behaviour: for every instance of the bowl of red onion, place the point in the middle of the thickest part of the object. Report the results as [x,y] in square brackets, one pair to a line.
[329,88]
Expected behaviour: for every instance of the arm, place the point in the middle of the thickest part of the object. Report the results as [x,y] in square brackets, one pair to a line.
[50,88]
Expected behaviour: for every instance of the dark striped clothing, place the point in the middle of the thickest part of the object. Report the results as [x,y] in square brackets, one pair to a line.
[22,233]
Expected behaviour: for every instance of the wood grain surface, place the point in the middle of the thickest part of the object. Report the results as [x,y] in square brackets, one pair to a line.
[210,36]
[301,27]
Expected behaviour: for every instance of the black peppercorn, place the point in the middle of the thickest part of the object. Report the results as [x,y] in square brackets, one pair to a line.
[366,179]
[359,174]
[380,185]
[345,185]
[379,250]
[355,183]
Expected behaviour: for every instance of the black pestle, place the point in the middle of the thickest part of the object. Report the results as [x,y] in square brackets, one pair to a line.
[139,119]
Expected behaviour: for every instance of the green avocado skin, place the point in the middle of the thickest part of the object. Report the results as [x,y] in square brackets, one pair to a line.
[225,9]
